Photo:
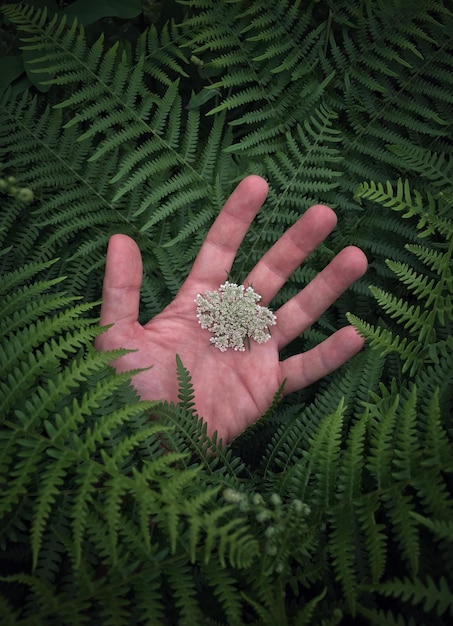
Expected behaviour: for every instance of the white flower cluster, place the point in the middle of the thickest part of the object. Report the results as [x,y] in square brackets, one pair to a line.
[233,314]
[282,523]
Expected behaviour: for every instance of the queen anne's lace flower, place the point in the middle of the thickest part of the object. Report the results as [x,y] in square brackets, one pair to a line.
[232,314]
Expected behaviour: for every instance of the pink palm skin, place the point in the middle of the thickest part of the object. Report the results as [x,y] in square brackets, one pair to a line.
[232,389]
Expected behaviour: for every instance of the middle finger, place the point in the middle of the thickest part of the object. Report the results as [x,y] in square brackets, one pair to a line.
[275,267]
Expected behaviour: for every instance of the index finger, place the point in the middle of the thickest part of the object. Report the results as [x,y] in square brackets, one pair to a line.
[218,251]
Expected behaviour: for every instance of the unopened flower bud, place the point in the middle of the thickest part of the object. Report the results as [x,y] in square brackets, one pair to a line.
[25,194]
[231,495]
[262,516]
[271,549]
[275,499]
[258,499]
[270,530]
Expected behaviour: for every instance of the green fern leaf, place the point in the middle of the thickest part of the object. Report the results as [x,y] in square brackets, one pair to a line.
[424,592]
[350,476]
[86,483]
[413,318]
[387,342]
[179,578]
[321,468]
[115,490]
[435,435]
[368,509]
[42,590]
[342,517]
[381,617]
[149,601]
[49,489]
[185,391]
[399,506]
[162,52]
[383,419]
[305,615]
[442,530]
[407,451]
[225,589]
[22,475]
[21,275]
[433,166]
[121,139]
[342,549]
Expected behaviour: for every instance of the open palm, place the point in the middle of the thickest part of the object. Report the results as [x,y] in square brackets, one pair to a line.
[232,389]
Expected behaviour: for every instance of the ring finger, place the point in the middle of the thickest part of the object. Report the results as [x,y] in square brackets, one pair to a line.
[302,310]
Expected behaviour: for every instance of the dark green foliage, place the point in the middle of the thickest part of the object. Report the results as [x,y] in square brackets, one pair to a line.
[336,507]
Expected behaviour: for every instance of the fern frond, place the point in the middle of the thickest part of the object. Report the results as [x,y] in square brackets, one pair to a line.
[149,598]
[342,549]
[435,167]
[408,201]
[383,418]
[14,318]
[115,490]
[162,53]
[375,535]
[189,431]
[287,445]
[350,478]
[435,434]
[382,617]
[178,575]
[86,483]
[127,158]
[386,72]
[431,484]
[436,260]
[22,474]
[225,589]
[431,287]
[237,546]
[138,113]
[42,590]
[412,317]
[387,342]
[322,464]
[19,276]
[407,447]
[343,520]
[406,531]
[442,530]
[305,615]
[421,592]
[185,390]
[50,486]
[254,65]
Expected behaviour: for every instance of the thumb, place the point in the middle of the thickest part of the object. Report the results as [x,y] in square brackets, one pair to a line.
[122,281]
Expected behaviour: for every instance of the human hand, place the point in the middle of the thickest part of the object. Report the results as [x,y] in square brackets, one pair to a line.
[232,389]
